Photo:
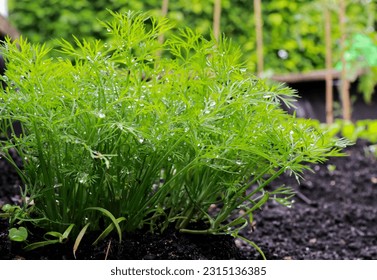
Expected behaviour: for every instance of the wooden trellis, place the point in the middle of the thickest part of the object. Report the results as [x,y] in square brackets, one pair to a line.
[329,68]
[164,12]
[259,35]
[6,29]
[345,92]
[216,19]
[328,74]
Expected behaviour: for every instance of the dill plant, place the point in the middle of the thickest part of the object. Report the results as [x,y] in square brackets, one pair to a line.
[140,134]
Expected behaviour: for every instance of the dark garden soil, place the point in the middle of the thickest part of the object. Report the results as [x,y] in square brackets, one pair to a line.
[334,217]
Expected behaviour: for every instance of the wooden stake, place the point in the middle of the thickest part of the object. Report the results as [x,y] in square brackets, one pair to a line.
[164,12]
[216,19]
[345,83]
[329,69]
[259,34]
[164,8]
[7,29]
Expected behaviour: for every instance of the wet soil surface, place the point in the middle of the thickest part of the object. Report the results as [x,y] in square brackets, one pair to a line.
[334,217]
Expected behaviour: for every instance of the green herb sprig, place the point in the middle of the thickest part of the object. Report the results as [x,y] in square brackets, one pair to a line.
[141,134]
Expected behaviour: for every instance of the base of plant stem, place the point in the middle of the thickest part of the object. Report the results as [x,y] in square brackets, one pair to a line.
[340,225]
[139,245]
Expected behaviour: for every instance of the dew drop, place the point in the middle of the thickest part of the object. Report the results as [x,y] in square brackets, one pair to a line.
[283,54]
[83,178]
[101,115]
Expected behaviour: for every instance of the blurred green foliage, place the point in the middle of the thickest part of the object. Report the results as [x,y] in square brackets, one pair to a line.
[362,129]
[293,30]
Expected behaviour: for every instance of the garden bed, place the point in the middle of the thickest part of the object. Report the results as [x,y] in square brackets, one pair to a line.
[335,214]
[334,217]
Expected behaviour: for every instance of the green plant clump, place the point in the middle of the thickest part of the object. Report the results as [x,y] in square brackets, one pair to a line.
[146,135]
[362,129]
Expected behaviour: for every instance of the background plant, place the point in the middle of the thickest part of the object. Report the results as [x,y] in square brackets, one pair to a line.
[116,134]
[293,30]
[362,129]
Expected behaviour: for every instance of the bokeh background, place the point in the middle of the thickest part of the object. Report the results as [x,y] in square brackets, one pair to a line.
[293,30]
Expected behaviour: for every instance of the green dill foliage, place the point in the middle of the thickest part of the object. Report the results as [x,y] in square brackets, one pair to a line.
[133,133]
